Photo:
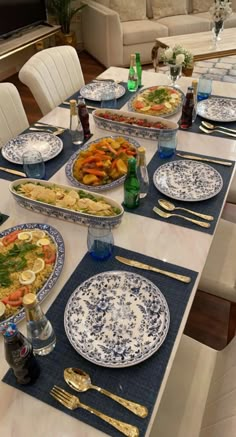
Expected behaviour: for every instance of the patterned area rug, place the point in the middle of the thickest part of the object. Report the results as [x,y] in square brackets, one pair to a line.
[222,69]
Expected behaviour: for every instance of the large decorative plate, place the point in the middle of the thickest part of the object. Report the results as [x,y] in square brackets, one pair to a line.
[187,180]
[54,275]
[69,168]
[48,144]
[159,100]
[116,319]
[94,90]
[217,109]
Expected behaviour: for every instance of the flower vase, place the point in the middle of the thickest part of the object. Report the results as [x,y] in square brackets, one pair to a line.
[217,28]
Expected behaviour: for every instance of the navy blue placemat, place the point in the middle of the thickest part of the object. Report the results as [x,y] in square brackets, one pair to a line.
[52,166]
[195,126]
[120,102]
[210,207]
[3,218]
[139,383]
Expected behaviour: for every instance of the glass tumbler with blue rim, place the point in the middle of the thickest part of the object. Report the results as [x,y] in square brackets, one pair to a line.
[100,242]
[167,142]
[33,164]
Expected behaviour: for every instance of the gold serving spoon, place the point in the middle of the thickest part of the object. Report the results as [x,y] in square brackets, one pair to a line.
[216,130]
[214,126]
[167,215]
[171,207]
[80,381]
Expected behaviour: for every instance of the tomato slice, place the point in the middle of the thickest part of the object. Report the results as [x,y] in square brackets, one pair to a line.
[17,294]
[49,255]
[10,238]
[139,105]
[157,107]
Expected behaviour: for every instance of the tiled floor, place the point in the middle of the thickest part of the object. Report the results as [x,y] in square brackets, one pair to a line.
[222,69]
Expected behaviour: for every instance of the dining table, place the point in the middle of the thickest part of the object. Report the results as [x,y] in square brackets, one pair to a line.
[172,243]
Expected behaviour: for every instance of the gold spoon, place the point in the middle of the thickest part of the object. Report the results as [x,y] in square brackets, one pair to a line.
[171,207]
[167,215]
[80,381]
[216,130]
[214,126]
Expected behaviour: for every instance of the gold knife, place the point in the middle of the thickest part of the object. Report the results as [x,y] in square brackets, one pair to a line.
[198,158]
[139,265]
[16,172]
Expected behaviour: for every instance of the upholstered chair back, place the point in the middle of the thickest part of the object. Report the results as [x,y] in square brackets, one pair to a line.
[13,118]
[52,75]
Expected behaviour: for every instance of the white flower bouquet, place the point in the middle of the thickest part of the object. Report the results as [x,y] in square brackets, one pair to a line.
[177,56]
[220,10]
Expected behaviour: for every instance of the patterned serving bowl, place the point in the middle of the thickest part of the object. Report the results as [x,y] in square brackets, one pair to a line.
[65,213]
[149,133]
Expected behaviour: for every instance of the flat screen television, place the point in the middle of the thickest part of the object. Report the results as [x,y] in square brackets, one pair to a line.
[16,15]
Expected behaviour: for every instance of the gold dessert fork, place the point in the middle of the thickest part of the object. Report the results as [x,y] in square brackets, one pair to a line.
[72,402]
[167,215]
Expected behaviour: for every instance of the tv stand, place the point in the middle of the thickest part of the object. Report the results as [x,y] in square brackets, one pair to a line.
[26,38]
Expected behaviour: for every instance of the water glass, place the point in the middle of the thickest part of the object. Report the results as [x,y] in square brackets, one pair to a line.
[167,142]
[174,74]
[33,164]
[204,88]
[100,242]
[108,97]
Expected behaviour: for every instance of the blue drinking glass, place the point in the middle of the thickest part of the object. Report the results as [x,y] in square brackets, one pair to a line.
[204,88]
[167,142]
[33,164]
[100,242]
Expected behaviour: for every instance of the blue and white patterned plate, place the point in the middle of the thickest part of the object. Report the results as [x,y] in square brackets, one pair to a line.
[217,109]
[94,90]
[187,180]
[47,144]
[60,248]
[116,319]
[70,164]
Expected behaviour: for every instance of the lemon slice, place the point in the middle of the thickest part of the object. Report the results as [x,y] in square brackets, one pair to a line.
[146,108]
[37,233]
[38,266]
[27,277]
[168,105]
[43,242]
[2,308]
[25,236]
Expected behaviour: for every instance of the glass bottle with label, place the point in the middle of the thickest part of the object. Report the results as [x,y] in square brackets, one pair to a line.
[187,110]
[194,85]
[139,69]
[76,128]
[131,185]
[19,355]
[132,77]
[142,173]
[39,330]
[84,117]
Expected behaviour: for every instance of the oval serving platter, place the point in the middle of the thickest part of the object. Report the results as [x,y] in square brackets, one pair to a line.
[116,319]
[47,144]
[54,275]
[70,165]
[63,212]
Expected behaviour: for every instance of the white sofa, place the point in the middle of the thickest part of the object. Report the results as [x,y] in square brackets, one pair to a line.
[110,39]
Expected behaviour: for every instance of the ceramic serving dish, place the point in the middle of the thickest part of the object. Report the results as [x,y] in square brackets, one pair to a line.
[64,212]
[125,128]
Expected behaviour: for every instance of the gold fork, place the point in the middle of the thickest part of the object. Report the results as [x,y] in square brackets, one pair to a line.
[72,402]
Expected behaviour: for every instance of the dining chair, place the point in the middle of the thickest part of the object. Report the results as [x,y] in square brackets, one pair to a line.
[200,395]
[219,274]
[52,75]
[13,119]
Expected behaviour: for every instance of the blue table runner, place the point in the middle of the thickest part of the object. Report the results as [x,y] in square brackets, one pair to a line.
[139,383]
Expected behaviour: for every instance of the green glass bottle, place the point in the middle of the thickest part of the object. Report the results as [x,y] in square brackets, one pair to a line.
[139,69]
[131,186]
[132,78]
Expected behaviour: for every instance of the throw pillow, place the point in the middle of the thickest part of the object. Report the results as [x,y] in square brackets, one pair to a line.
[168,8]
[201,6]
[129,10]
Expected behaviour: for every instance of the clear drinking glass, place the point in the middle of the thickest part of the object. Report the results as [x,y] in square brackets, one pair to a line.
[204,88]
[33,164]
[100,242]
[174,74]
[108,97]
[167,142]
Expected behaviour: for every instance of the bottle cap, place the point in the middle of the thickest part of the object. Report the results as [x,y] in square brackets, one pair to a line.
[73,102]
[141,150]
[8,330]
[29,300]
